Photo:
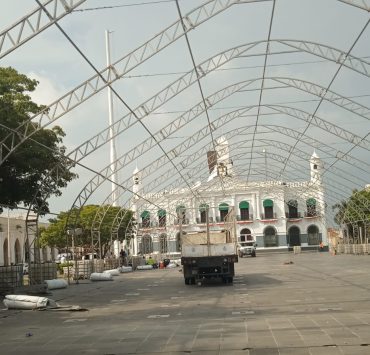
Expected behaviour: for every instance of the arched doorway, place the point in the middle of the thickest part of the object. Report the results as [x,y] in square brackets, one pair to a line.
[5,252]
[163,245]
[313,235]
[147,244]
[17,252]
[270,237]
[245,234]
[294,236]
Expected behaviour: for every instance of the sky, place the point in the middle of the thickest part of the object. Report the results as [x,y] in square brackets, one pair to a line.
[50,58]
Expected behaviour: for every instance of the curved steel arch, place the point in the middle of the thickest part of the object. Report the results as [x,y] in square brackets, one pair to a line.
[137,151]
[59,108]
[158,180]
[35,22]
[300,114]
[115,71]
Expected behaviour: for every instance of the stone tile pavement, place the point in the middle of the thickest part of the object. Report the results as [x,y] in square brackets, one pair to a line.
[319,305]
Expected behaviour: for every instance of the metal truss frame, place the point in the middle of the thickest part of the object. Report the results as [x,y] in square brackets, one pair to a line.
[361,4]
[34,23]
[200,154]
[95,84]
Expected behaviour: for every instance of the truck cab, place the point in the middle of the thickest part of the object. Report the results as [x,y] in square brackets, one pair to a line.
[247,248]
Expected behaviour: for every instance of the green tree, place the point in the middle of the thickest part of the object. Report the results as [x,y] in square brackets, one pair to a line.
[33,163]
[56,233]
[354,213]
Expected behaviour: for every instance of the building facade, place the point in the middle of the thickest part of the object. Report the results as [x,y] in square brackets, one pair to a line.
[277,215]
[13,242]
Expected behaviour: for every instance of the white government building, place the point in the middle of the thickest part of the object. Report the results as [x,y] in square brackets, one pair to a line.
[276,215]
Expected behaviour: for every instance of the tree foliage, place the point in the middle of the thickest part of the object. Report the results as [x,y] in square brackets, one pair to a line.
[354,212]
[39,161]
[56,233]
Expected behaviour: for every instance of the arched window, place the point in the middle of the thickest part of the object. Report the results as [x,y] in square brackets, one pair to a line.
[245,235]
[268,206]
[244,210]
[162,218]
[224,210]
[5,253]
[203,209]
[294,236]
[17,252]
[270,237]
[313,235]
[146,244]
[163,246]
[145,219]
[181,213]
[311,207]
[292,209]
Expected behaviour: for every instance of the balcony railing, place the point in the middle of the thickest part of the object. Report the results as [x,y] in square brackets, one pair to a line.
[268,216]
[293,215]
[310,214]
[249,218]
[183,221]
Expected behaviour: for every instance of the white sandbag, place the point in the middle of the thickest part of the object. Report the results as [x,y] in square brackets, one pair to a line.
[113,272]
[176,261]
[56,283]
[145,267]
[100,276]
[125,269]
[26,302]
[171,266]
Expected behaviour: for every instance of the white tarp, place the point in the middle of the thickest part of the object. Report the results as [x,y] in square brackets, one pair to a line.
[56,283]
[101,276]
[113,272]
[144,267]
[125,269]
[27,302]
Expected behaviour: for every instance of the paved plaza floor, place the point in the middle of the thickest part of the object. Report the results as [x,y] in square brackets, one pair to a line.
[311,303]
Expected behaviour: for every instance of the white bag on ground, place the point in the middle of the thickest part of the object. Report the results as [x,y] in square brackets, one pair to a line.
[113,272]
[101,276]
[145,267]
[27,302]
[125,269]
[171,266]
[56,283]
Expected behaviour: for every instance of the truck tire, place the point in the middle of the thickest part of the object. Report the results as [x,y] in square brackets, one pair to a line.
[187,281]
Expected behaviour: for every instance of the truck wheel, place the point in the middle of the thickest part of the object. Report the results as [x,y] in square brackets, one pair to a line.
[192,281]
[230,280]
[187,281]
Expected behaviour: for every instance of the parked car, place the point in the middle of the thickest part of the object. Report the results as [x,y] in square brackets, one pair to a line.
[247,248]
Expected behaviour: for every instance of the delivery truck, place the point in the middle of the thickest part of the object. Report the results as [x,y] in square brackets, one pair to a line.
[210,253]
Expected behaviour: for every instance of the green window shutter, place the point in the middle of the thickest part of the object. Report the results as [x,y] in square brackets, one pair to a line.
[180,208]
[244,205]
[145,214]
[161,213]
[203,207]
[311,202]
[268,203]
[223,207]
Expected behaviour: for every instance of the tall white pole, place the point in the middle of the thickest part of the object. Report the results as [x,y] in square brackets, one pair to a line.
[113,156]
[9,255]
